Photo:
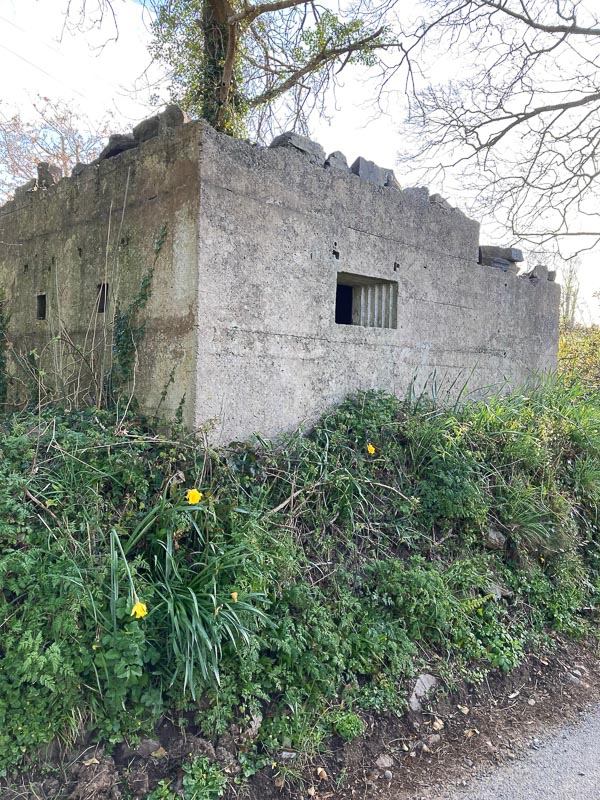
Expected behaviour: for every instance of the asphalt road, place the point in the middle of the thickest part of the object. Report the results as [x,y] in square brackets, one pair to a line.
[565,767]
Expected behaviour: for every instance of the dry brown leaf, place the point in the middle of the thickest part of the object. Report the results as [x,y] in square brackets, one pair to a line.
[321,774]
[438,725]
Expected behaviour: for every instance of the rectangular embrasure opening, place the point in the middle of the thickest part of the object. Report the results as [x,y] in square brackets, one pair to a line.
[41,306]
[369,302]
[102,297]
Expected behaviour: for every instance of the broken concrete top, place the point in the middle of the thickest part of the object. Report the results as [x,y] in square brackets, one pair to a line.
[303,144]
[369,171]
[488,252]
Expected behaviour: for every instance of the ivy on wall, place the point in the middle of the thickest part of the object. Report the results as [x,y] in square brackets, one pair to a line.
[128,331]
[3,348]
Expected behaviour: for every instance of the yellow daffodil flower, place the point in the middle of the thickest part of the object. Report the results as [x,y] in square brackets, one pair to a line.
[193,496]
[139,610]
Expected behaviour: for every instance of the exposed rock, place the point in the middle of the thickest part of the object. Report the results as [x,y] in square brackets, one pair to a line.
[337,160]
[171,117]
[117,143]
[388,775]
[552,275]
[433,739]
[303,144]
[424,684]
[146,747]
[494,540]
[123,753]
[384,761]
[48,174]
[146,129]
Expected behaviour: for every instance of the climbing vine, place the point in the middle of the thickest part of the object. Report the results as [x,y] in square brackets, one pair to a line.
[128,331]
[3,349]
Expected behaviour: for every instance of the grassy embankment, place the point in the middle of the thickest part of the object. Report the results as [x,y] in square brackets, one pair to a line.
[309,581]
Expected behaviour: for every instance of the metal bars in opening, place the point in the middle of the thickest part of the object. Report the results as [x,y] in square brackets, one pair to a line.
[369,302]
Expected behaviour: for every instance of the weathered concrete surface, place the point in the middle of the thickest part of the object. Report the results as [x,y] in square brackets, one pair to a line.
[101,227]
[241,320]
[271,354]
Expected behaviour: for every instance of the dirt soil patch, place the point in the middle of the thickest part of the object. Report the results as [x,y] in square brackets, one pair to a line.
[454,737]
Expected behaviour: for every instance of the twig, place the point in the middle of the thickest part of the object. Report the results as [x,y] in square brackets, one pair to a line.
[39,504]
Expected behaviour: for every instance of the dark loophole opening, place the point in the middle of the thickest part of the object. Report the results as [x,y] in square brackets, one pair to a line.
[102,297]
[41,306]
[343,304]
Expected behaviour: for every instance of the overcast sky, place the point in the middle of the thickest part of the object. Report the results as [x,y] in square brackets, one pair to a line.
[101,75]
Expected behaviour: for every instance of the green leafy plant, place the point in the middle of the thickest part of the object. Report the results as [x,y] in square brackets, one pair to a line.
[201,781]
[348,725]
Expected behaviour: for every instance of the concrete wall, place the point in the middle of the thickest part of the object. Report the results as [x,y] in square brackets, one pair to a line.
[271,353]
[241,319]
[101,227]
